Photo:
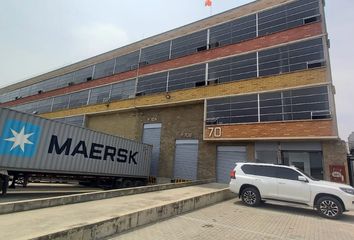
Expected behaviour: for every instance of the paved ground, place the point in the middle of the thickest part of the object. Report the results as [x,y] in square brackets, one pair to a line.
[44,190]
[50,220]
[232,220]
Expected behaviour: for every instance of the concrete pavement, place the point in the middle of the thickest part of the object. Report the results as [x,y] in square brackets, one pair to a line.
[97,219]
[232,220]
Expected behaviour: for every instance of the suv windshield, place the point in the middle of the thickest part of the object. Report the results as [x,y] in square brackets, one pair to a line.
[312,178]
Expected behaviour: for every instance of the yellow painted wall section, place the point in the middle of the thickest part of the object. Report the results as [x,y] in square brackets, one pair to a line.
[290,80]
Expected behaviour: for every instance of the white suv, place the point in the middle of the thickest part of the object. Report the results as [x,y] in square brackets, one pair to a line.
[256,182]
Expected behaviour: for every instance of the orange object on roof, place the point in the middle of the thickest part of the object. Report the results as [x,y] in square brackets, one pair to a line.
[208,3]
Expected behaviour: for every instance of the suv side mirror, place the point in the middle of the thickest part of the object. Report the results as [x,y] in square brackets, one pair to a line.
[302,179]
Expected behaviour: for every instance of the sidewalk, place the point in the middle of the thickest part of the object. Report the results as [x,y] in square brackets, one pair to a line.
[233,220]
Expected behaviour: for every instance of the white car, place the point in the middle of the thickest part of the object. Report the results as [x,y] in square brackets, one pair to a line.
[256,182]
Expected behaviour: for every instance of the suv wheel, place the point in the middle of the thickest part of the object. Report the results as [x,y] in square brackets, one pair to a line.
[329,207]
[251,197]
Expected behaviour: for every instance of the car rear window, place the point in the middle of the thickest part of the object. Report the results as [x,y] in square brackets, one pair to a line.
[265,171]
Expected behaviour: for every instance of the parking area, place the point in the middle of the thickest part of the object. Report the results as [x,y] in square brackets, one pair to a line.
[232,220]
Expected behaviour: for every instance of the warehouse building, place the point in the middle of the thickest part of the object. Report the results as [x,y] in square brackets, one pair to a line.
[250,84]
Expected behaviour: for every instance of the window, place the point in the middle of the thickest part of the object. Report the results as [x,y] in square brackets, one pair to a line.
[273,61]
[100,94]
[127,62]
[271,108]
[61,102]
[234,68]
[259,170]
[64,80]
[311,162]
[154,83]
[78,99]
[186,77]
[104,69]
[76,120]
[82,75]
[43,106]
[298,104]
[297,56]
[286,173]
[233,32]
[25,91]
[238,109]
[188,44]
[123,90]
[155,54]
[288,16]
[302,103]
[303,52]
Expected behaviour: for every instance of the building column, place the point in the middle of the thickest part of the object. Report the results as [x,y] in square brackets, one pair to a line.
[334,153]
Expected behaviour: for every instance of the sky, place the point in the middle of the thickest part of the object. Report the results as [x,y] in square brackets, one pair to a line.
[37,36]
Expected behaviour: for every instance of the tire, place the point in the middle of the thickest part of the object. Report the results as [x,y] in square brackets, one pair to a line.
[251,197]
[329,207]
[4,184]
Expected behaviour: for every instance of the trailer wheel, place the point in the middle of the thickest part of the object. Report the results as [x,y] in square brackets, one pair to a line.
[25,181]
[4,180]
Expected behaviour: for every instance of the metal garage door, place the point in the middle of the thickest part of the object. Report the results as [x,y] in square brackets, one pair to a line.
[186,159]
[227,156]
[152,136]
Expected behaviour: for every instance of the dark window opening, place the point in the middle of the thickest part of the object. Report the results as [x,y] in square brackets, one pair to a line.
[88,79]
[211,121]
[200,84]
[143,63]
[140,94]
[321,115]
[203,48]
[133,67]
[311,19]
[315,64]
[214,45]
[213,81]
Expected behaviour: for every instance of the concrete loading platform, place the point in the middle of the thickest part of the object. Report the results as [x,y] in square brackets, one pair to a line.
[103,218]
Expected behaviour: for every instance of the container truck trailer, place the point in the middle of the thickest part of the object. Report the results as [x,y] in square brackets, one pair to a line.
[34,146]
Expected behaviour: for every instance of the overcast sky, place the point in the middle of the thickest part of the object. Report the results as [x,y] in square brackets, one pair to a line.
[37,36]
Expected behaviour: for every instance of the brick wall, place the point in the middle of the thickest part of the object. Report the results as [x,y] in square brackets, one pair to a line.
[273,130]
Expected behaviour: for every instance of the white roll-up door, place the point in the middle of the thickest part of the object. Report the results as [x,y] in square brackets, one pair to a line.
[152,136]
[186,159]
[227,156]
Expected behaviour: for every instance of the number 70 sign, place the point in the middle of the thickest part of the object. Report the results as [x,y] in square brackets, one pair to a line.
[214,132]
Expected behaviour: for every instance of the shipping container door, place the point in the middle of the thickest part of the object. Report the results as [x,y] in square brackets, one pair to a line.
[227,156]
[186,159]
[152,136]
